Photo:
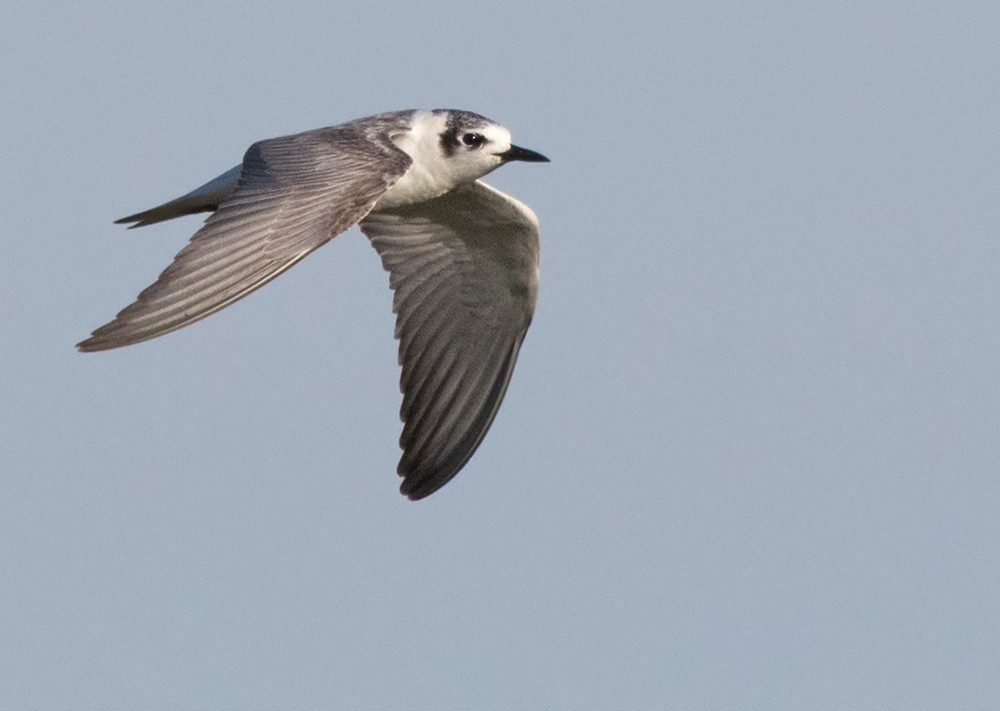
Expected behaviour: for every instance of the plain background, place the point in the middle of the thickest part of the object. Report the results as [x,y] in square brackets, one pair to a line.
[749,457]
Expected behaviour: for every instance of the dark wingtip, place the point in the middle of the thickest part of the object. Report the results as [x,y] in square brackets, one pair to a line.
[416,488]
[89,345]
[408,488]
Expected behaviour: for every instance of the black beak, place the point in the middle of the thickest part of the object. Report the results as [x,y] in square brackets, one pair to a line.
[518,153]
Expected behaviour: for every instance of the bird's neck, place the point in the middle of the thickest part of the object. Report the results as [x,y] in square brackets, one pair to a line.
[428,176]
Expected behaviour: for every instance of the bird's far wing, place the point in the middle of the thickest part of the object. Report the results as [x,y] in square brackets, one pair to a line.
[295,193]
[464,271]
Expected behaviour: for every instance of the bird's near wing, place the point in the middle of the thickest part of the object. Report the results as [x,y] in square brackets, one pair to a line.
[464,269]
[295,193]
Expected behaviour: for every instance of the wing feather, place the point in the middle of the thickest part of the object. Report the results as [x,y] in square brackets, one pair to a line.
[463,268]
[294,194]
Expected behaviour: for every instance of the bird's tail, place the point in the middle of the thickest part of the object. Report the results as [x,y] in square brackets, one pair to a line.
[203,199]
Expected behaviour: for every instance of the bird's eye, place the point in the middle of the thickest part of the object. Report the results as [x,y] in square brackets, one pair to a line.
[474,140]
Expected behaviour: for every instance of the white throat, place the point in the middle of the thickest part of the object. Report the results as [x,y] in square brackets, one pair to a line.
[429,176]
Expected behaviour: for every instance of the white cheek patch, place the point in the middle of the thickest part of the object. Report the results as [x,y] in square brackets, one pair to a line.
[499,138]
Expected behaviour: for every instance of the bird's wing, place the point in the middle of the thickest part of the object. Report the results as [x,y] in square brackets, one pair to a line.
[295,193]
[464,271]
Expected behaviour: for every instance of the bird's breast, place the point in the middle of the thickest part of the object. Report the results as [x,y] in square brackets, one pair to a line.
[416,185]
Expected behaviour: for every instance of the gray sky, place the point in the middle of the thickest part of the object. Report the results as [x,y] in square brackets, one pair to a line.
[749,457]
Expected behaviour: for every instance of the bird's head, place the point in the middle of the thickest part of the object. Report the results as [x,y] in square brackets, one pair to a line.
[474,145]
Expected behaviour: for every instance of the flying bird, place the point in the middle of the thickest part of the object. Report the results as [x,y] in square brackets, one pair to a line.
[462,259]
